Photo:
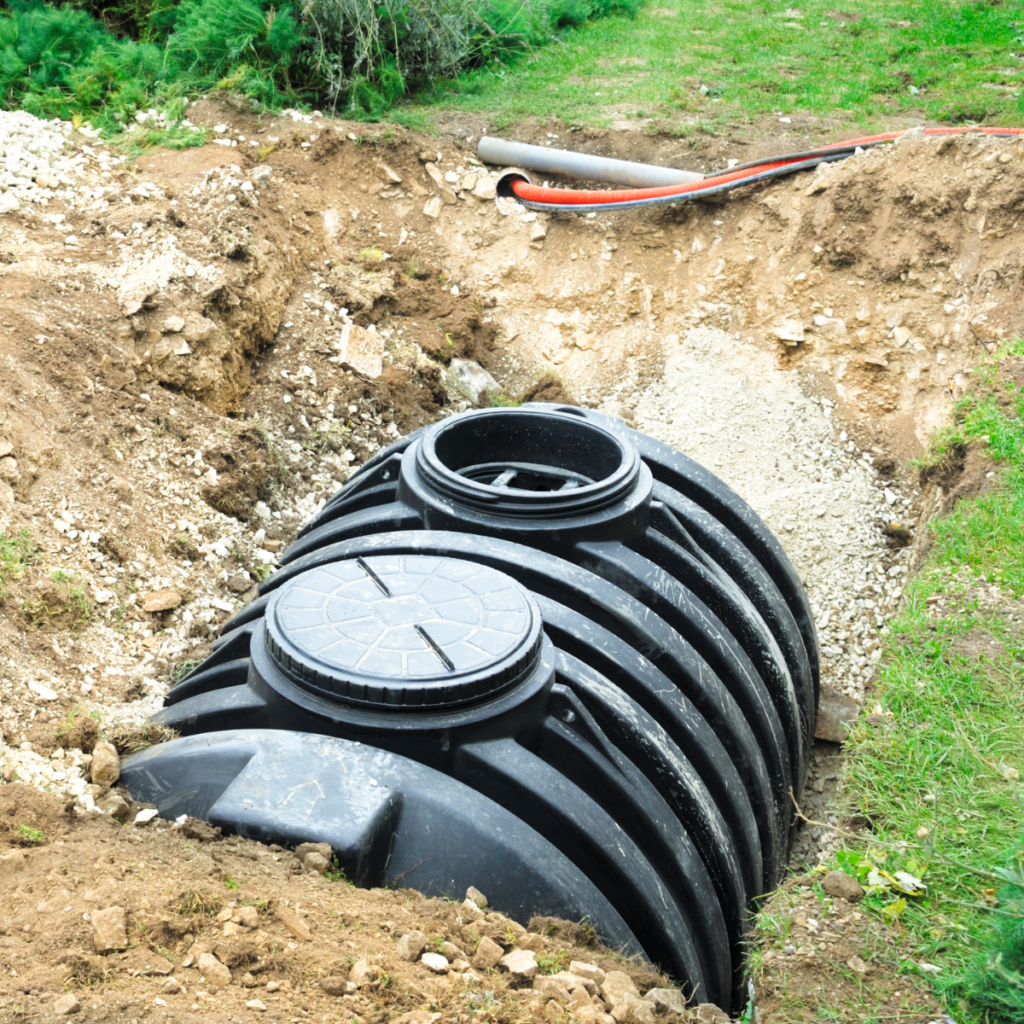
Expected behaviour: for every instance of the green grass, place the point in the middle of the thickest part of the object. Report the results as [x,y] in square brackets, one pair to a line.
[691,65]
[28,834]
[937,773]
[17,553]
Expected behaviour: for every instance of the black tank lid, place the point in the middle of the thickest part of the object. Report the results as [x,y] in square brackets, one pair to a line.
[404,632]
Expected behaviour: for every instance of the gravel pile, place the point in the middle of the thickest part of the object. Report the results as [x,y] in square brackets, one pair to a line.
[749,423]
[41,160]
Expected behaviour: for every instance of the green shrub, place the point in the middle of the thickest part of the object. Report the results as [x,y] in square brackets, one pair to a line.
[355,56]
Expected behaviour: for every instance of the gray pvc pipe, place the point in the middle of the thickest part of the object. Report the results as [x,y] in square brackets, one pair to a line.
[580,165]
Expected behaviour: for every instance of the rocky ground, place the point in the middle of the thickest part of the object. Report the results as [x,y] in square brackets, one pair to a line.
[198,348]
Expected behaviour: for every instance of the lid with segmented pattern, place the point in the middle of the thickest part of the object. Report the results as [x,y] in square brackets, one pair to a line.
[404,631]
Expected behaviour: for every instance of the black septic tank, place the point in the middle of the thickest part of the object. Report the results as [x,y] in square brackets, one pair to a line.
[530,650]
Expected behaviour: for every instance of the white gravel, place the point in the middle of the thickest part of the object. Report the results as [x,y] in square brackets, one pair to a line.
[37,163]
[729,407]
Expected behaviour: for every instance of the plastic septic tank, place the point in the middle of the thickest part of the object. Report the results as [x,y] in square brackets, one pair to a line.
[530,650]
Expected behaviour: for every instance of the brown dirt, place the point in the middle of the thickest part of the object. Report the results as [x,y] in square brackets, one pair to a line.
[160,464]
[548,388]
[177,887]
[844,963]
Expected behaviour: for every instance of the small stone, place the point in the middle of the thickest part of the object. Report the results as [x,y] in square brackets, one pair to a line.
[616,986]
[239,584]
[362,974]
[839,883]
[389,175]
[488,953]
[470,911]
[9,469]
[173,324]
[591,972]
[856,964]
[248,917]
[412,945]
[146,815]
[161,600]
[337,986]
[435,962]
[5,447]
[708,1013]
[248,981]
[633,1010]
[256,1004]
[538,232]
[836,715]
[520,963]
[475,380]
[790,332]
[666,1000]
[291,921]
[830,325]
[198,329]
[485,189]
[213,972]
[106,764]
[474,894]
[451,952]
[550,989]
[108,929]
[172,986]
[363,350]
[66,1004]
[323,849]
[431,208]
[316,862]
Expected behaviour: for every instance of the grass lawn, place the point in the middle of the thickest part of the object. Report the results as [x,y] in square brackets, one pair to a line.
[691,65]
[934,767]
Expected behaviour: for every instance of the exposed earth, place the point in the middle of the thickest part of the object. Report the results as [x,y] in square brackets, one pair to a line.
[200,346]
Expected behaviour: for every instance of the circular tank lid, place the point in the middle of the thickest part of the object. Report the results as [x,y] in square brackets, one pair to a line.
[404,632]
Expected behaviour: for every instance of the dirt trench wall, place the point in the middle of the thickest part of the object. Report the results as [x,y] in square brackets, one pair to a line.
[886,277]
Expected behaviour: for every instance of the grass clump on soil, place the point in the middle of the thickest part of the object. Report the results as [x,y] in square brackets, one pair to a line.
[689,66]
[105,61]
[17,553]
[934,768]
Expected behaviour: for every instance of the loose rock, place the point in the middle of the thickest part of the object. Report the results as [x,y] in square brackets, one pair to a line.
[474,894]
[337,986]
[66,1004]
[412,945]
[836,715]
[106,764]
[161,601]
[435,962]
[839,883]
[108,929]
[213,972]
[488,954]
[666,1000]
[520,963]
[617,985]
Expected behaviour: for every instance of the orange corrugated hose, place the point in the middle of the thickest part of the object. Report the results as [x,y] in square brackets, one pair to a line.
[540,195]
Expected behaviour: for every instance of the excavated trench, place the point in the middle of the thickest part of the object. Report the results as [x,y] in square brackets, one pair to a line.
[798,342]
